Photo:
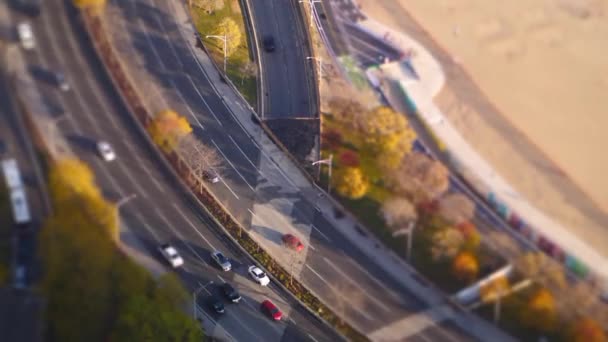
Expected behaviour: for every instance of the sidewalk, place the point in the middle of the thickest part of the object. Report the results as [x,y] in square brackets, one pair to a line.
[478,172]
[367,244]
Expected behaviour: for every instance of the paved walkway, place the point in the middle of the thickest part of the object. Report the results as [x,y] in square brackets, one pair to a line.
[479,173]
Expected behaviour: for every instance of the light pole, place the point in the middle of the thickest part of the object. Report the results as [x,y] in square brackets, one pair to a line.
[312,8]
[195,294]
[124,200]
[225,40]
[409,231]
[327,162]
[319,65]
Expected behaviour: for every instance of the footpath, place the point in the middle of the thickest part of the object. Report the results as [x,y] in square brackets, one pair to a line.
[418,94]
[283,165]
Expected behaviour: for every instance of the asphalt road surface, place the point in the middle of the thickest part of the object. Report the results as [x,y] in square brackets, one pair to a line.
[162,211]
[149,33]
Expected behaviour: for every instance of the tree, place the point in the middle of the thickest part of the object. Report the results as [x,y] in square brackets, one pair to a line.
[248,69]
[346,111]
[331,139]
[71,177]
[90,4]
[456,208]
[472,238]
[208,6]
[168,128]
[587,330]
[229,28]
[540,268]
[419,178]
[465,266]
[351,183]
[398,212]
[198,157]
[494,289]
[349,158]
[540,313]
[447,243]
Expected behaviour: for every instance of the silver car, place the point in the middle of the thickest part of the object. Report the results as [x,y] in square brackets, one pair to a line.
[221,260]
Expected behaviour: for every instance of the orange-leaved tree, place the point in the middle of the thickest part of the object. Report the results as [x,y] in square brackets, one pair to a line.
[350,182]
[540,313]
[168,128]
[90,4]
[465,266]
[587,330]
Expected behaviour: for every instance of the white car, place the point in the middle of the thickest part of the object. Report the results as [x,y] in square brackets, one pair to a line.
[26,35]
[106,151]
[170,253]
[221,260]
[258,275]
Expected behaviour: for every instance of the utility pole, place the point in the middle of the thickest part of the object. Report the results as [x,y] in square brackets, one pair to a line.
[409,231]
[224,38]
[312,8]
[328,162]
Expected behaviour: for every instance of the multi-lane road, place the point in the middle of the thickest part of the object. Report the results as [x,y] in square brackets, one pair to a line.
[155,40]
[163,210]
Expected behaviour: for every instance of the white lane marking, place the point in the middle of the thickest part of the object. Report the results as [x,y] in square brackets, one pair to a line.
[160,24]
[179,93]
[360,268]
[144,166]
[233,167]
[249,160]
[362,313]
[179,210]
[143,221]
[203,99]
[273,163]
[181,237]
[365,292]
[229,188]
[222,279]
[320,232]
[312,338]
[134,181]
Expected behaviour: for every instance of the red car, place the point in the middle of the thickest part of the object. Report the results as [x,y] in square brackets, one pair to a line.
[271,310]
[293,242]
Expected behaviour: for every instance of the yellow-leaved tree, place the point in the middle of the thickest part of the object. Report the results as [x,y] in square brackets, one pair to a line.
[350,182]
[168,128]
[72,177]
[229,28]
[494,289]
[90,4]
[387,134]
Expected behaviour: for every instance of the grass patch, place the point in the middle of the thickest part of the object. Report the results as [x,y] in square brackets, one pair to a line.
[205,24]
[356,76]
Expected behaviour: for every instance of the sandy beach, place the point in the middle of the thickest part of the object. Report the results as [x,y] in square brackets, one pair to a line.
[533,100]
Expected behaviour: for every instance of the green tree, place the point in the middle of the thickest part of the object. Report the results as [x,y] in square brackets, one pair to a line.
[351,183]
[168,128]
[234,37]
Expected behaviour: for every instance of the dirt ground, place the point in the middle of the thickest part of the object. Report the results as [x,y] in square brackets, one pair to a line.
[526,86]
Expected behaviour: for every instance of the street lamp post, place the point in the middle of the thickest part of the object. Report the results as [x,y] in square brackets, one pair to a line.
[225,40]
[409,231]
[312,8]
[327,162]
[319,65]
[125,200]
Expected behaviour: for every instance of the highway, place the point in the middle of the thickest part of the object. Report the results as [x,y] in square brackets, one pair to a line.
[163,210]
[288,77]
[160,54]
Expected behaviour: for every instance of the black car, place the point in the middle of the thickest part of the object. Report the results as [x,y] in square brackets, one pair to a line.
[268,43]
[231,293]
[216,305]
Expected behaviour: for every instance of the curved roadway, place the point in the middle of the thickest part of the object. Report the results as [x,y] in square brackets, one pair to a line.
[163,211]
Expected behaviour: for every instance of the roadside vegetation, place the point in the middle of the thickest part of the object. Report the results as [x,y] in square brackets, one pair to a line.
[400,193]
[224,17]
[93,291]
[5,234]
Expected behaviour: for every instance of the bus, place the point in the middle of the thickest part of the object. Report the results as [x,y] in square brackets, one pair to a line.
[18,198]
